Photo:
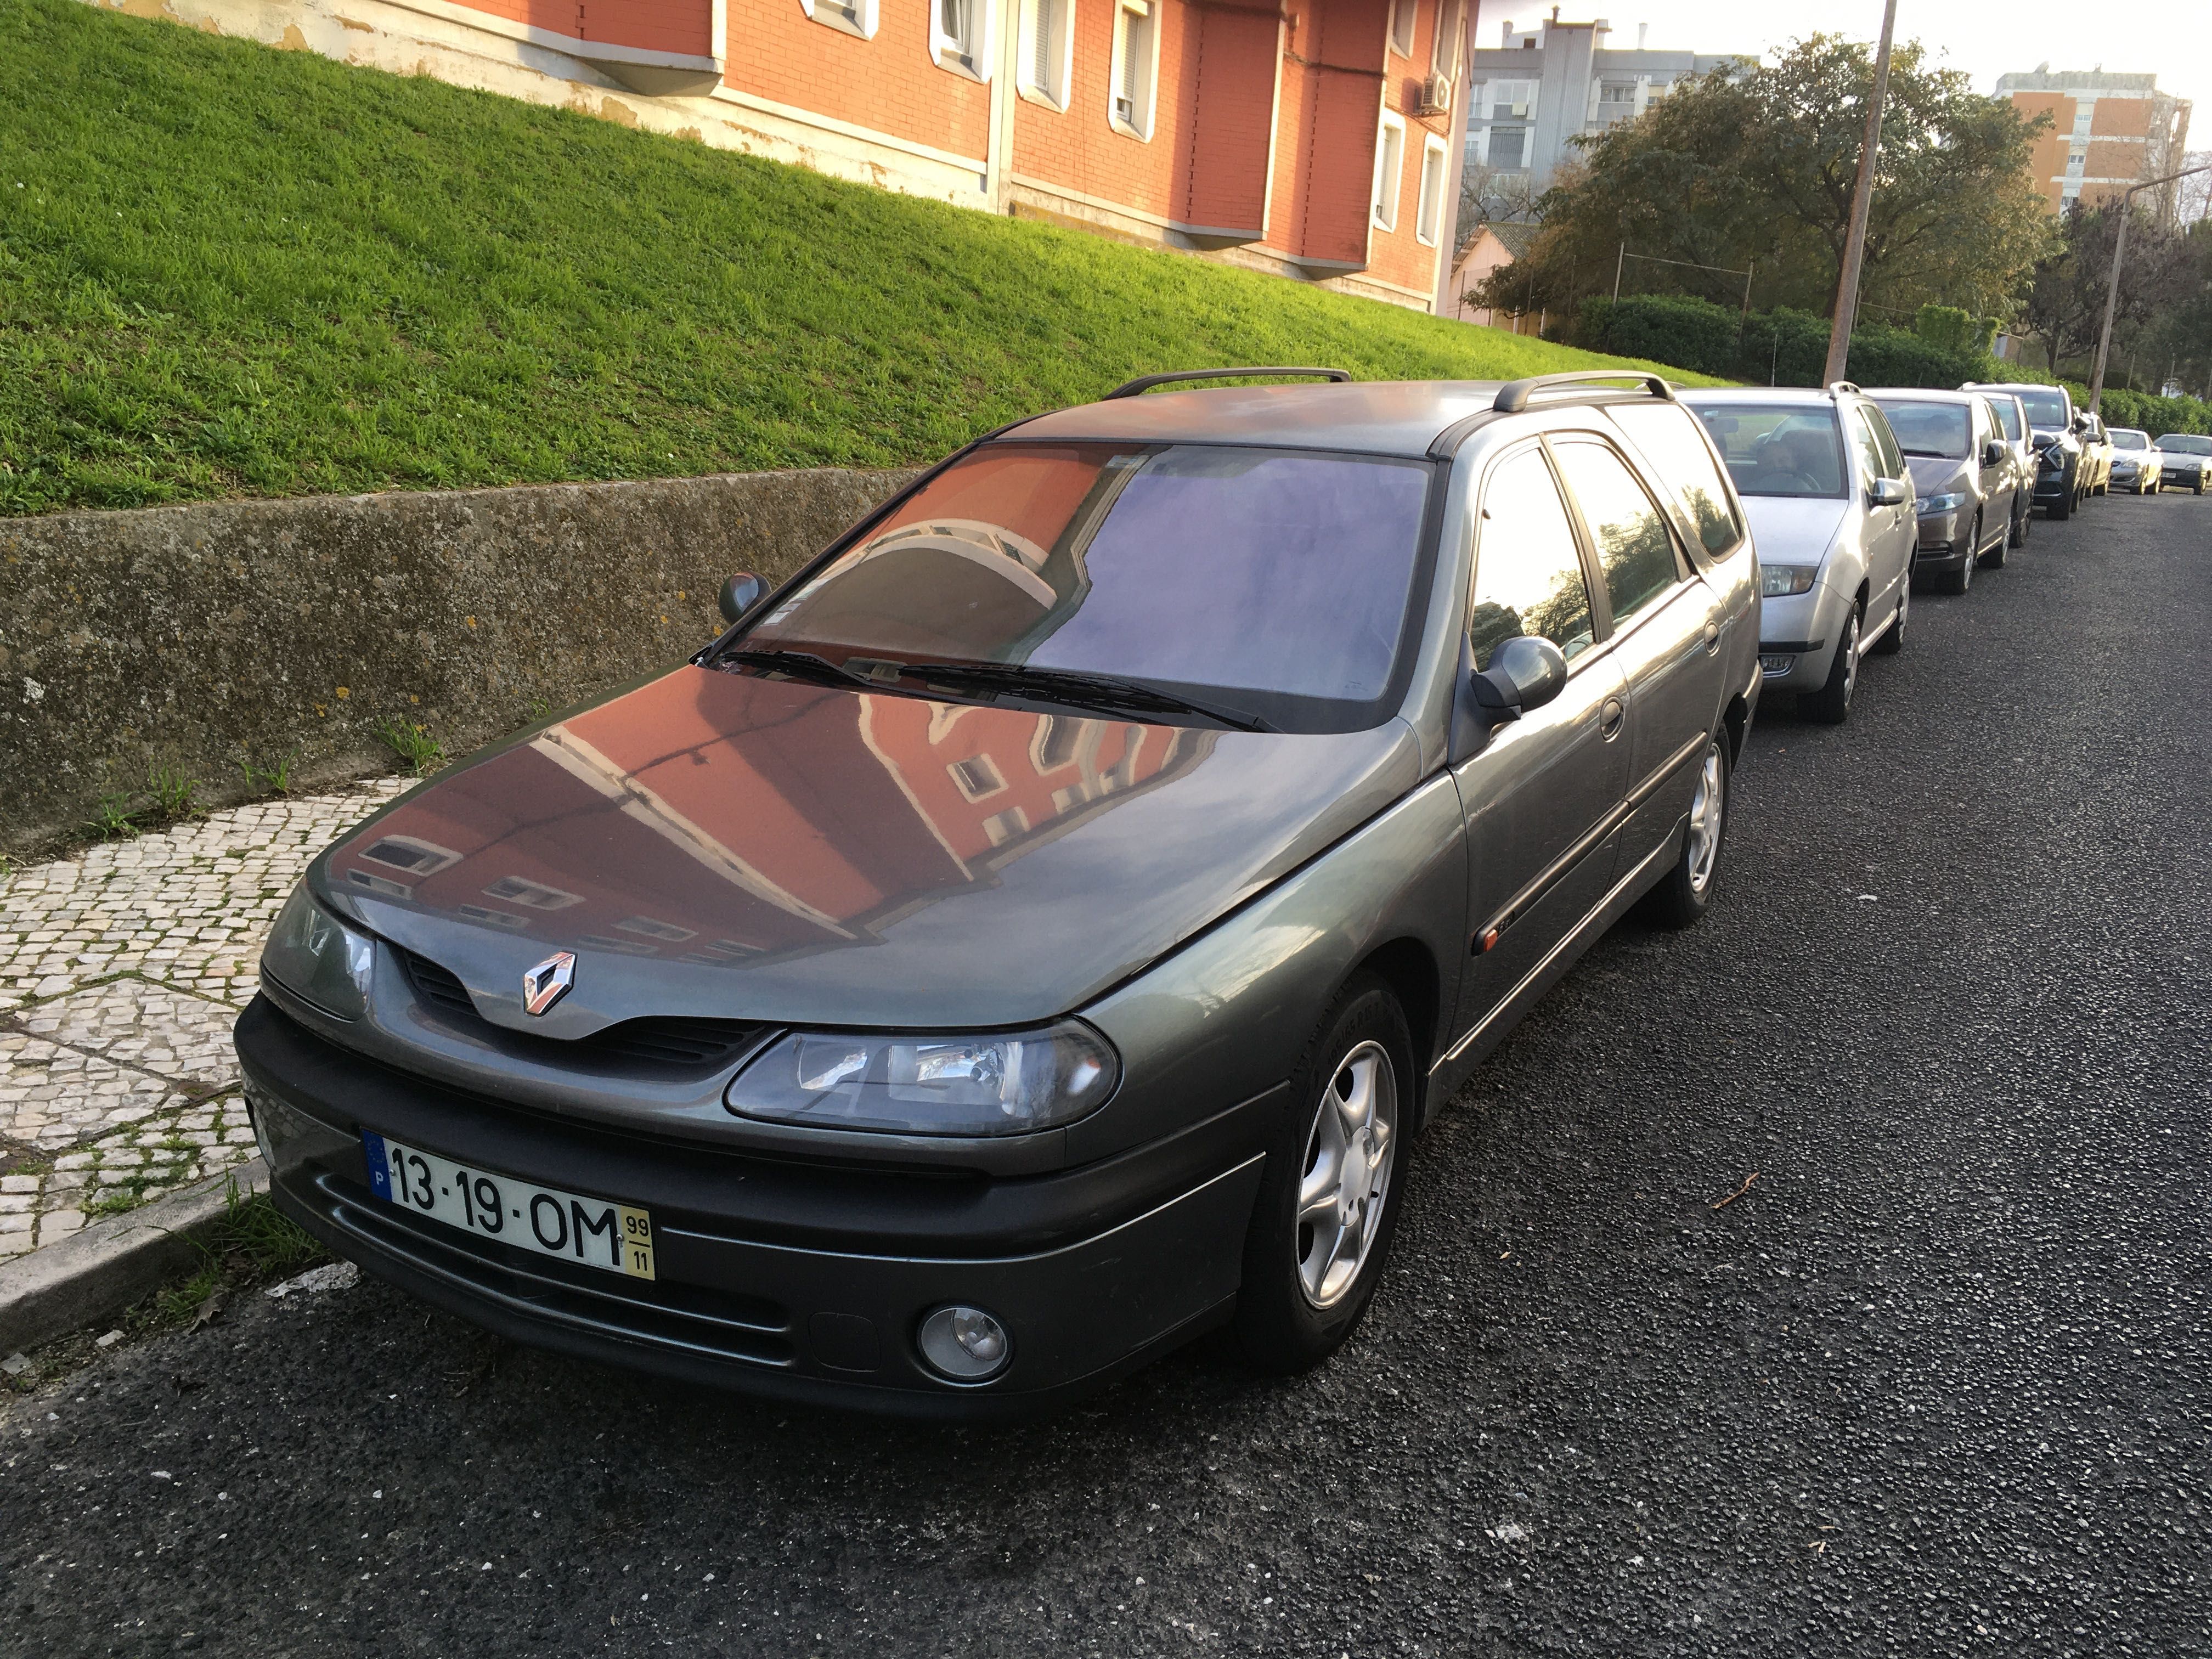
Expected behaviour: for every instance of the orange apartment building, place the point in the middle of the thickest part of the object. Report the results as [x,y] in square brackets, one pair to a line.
[2107,132]
[1319,140]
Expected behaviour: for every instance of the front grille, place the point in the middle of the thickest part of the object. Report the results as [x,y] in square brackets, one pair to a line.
[724,1326]
[673,1042]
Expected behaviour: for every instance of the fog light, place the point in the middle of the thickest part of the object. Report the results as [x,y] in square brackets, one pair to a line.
[966,1344]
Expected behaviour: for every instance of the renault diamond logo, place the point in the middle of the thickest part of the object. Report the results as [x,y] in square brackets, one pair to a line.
[549,981]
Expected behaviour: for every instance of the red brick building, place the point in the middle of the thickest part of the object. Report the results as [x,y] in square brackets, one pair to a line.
[1317,139]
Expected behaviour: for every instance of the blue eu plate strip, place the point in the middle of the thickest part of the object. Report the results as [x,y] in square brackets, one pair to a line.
[379,1166]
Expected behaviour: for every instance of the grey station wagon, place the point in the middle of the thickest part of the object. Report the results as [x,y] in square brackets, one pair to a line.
[1035,934]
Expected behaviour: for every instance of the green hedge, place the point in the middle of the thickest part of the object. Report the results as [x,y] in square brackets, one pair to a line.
[2154,415]
[1783,347]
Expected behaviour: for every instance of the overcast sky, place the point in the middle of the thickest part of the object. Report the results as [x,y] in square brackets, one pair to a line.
[2171,39]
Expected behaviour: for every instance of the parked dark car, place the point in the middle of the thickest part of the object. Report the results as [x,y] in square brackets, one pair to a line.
[1963,484]
[1034,934]
[2059,486]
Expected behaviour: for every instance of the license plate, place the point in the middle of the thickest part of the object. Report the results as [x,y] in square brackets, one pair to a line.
[594,1232]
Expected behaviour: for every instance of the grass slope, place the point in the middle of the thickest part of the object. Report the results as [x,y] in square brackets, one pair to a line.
[227,271]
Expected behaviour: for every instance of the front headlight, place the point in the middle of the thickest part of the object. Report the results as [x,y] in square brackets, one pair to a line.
[1779,579]
[997,1084]
[317,958]
[1949,503]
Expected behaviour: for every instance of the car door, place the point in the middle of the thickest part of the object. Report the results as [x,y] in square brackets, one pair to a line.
[1543,795]
[1663,631]
[1892,532]
[1991,463]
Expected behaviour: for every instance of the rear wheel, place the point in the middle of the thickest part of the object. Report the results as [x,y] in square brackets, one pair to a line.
[1680,898]
[1329,1198]
[1995,558]
[1892,642]
[2021,519]
[1832,703]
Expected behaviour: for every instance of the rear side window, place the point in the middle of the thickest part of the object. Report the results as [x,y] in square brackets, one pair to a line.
[1635,549]
[1528,570]
[2007,414]
[1669,437]
[1885,440]
[1861,424]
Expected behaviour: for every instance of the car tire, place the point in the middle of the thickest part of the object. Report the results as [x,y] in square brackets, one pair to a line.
[1832,703]
[1893,639]
[2020,521]
[1294,1309]
[1684,893]
[2062,507]
[2199,490]
[1958,581]
[1995,558]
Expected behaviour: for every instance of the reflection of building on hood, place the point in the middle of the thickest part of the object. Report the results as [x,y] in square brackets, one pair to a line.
[930,798]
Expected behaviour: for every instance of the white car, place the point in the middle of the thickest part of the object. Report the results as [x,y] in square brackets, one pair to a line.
[2184,459]
[1829,499]
[2137,466]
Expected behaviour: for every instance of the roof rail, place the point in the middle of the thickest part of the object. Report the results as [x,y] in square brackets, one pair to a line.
[1145,383]
[1513,397]
[1837,387]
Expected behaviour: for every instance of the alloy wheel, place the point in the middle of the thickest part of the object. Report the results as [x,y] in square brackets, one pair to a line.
[1348,1174]
[1706,807]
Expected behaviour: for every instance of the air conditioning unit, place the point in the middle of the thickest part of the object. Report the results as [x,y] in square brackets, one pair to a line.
[1436,95]
[1521,112]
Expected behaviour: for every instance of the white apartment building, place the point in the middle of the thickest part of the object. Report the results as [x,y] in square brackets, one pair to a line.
[1540,86]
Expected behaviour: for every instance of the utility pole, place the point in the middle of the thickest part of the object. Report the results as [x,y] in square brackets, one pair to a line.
[1847,280]
[2112,288]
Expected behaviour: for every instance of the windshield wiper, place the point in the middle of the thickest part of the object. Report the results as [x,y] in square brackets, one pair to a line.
[1074,685]
[1934,455]
[803,666]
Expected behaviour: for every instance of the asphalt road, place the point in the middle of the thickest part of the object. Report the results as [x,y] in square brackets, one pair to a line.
[1936,1383]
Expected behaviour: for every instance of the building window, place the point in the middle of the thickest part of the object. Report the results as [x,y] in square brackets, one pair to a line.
[1003,827]
[1135,68]
[1402,14]
[854,16]
[1511,100]
[1048,35]
[1389,169]
[976,777]
[1443,50]
[960,36]
[1508,148]
[1428,217]
[1616,102]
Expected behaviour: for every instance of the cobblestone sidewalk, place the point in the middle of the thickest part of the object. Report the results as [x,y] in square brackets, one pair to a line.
[120,973]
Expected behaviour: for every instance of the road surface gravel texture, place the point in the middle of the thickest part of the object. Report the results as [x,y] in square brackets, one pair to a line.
[1935,1383]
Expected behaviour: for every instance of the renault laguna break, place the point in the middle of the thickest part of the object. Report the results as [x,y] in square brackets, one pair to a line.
[1034,934]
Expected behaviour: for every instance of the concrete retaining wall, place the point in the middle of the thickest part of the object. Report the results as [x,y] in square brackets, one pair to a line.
[193,638]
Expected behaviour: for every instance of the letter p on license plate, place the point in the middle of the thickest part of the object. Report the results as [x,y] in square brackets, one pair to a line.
[592,1233]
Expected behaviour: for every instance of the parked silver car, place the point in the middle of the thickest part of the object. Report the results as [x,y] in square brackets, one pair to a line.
[1830,500]
[2096,453]
[2185,457]
[1962,475]
[2018,434]
[2137,467]
[2054,433]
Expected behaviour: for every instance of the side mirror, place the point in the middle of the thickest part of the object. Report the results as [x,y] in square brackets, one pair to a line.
[1889,492]
[740,594]
[1993,453]
[1525,672]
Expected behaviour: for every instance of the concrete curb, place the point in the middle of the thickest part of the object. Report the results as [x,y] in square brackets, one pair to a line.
[108,1266]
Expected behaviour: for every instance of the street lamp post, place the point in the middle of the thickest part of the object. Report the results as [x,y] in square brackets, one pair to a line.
[2112,288]
[1847,279]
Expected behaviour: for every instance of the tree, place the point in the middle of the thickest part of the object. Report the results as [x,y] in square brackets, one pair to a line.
[1488,196]
[2064,308]
[1754,167]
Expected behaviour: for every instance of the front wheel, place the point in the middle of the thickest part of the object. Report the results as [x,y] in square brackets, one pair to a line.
[2064,506]
[1328,1197]
[1681,896]
[1958,581]
[1832,703]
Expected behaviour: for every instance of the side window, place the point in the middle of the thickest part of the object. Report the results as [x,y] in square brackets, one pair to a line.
[1635,549]
[1884,442]
[1872,461]
[1528,571]
[1672,440]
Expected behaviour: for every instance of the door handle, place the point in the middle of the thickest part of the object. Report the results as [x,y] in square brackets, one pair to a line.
[1712,637]
[1610,718]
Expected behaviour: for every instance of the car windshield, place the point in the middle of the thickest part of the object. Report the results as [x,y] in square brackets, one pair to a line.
[2007,414]
[1275,583]
[1775,449]
[1934,429]
[2185,443]
[2043,408]
[2128,438]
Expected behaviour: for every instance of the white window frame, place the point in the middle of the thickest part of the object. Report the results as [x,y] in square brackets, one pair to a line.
[1390,180]
[856,17]
[1128,13]
[1429,207]
[1443,49]
[1060,17]
[1405,23]
[972,56]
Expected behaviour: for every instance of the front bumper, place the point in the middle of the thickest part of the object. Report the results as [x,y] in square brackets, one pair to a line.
[796,1281]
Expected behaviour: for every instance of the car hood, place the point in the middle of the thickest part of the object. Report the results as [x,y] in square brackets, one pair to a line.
[1935,475]
[719,845]
[1794,529]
